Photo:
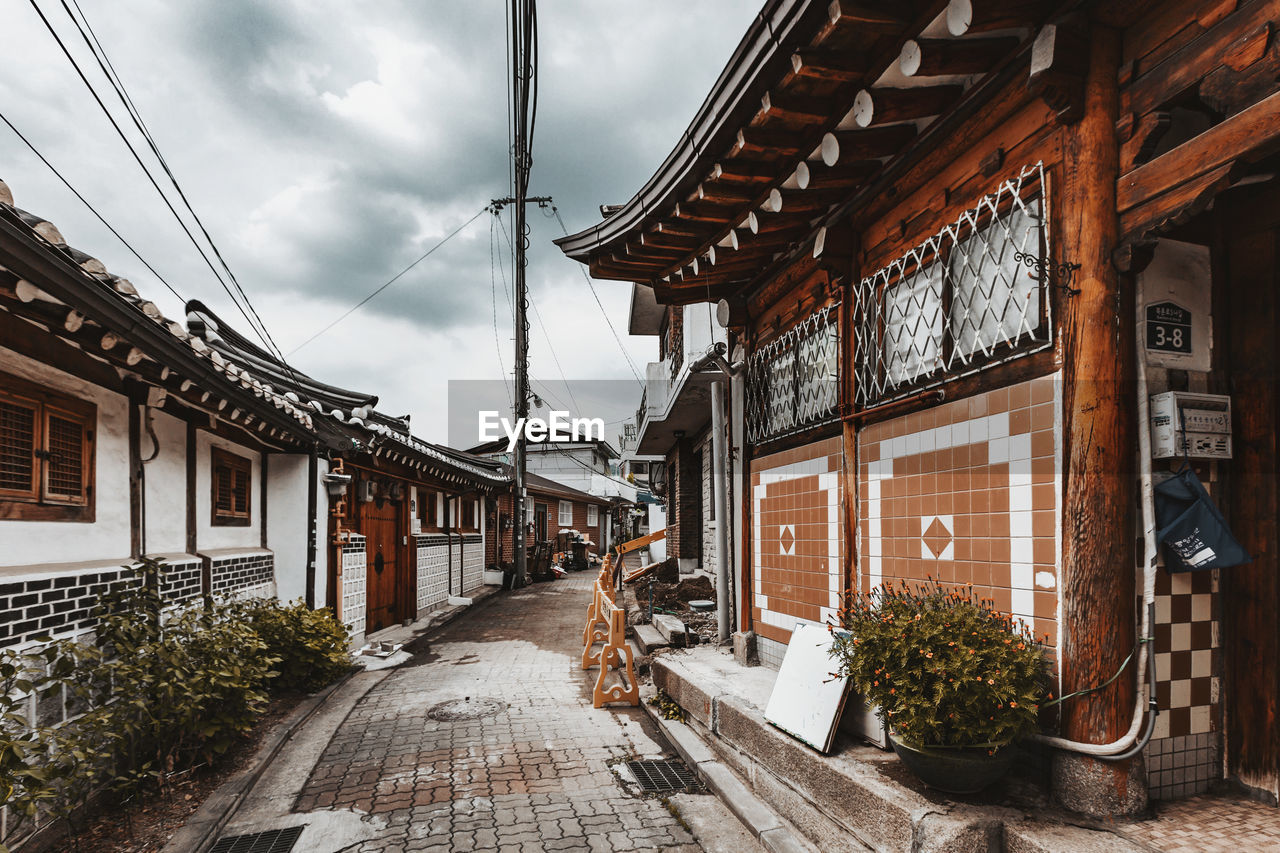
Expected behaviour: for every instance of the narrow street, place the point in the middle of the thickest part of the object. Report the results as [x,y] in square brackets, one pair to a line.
[484,740]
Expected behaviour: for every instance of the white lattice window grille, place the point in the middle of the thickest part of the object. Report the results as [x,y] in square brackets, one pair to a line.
[793,382]
[968,298]
[593,516]
[566,514]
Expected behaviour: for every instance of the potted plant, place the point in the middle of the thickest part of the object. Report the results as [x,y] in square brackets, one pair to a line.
[955,680]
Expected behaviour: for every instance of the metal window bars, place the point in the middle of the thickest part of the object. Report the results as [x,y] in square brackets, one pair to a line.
[793,382]
[966,299]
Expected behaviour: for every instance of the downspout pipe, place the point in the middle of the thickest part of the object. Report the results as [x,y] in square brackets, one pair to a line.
[715,356]
[1130,744]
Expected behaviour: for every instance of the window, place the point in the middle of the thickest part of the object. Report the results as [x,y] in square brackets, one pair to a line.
[593,515]
[793,381]
[468,513]
[231,480]
[46,453]
[427,509]
[968,298]
[566,514]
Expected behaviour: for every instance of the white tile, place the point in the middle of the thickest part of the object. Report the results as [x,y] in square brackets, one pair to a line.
[1046,580]
[1020,446]
[978,430]
[1201,663]
[1020,499]
[1163,609]
[998,450]
[1020,523]
[942,437]
[913,443]
[926,441]
[1161,730]
[1022,576]
[1180,693]
[1181,638]
[1201,609]
[998,425]
[1023,602]
[960,433]
[1180,583]
[1201,721]
[949,552]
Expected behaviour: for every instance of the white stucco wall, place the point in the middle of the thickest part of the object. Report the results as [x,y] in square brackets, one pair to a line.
[166,485]
[207,535]
[288,523]
[27,543]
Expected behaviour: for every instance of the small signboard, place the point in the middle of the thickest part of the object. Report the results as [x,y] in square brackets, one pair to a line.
[1168,328]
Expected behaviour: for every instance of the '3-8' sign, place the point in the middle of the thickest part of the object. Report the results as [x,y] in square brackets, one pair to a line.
[1168,328]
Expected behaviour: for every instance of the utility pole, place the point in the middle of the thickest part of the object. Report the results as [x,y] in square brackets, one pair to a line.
[524,99]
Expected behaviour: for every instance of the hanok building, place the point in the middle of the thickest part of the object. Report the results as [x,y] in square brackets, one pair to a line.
[124,434]
[957,246]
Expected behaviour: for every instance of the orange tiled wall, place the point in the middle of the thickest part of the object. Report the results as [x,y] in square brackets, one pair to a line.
[968,492]
[797,537]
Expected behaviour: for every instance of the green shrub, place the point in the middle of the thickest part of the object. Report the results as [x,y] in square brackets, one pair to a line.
[311,644]
[945,668]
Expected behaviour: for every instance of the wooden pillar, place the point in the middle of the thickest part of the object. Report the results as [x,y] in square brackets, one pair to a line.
[192,542]
[137,496]
[1098,574]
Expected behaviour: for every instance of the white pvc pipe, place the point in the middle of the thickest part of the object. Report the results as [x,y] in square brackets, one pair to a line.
[720,452]
[1149,551]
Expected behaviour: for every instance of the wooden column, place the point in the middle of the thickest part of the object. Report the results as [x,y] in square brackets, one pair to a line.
[136,395]
[1250,593]
[1097,582]
[192,543]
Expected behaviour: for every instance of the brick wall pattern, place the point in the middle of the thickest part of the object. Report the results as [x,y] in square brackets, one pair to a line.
[245,574]
[59,605]
[433,572]
[968,493]
[797,538]
[472,562]
[455,564]
[354,569]
[708,501]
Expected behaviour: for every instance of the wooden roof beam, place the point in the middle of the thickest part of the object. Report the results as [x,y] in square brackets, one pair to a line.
[767,141]
[984,16]
[663,240]
[813,200]
[743,170]
[885,106]
[869,14]
[948,57]
[868,144]
[783,106]
[727,191]
[819,176]
[834,66]
[706,210]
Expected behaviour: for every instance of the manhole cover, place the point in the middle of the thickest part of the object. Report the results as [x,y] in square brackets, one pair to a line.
[662,775]
[465,709]
[272,841]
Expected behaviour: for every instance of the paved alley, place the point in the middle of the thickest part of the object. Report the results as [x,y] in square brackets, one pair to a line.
[484,740]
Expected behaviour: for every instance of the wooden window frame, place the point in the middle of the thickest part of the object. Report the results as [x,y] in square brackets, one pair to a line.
[235,462]
[38,503]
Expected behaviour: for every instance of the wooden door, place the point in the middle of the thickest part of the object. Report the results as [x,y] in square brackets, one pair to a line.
[1250,241]
[540,523]
[381,524]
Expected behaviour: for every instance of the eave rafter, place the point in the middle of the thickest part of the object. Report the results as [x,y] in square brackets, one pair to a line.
[852,96]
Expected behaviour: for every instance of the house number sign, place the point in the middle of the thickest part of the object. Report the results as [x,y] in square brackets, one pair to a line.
[1168,328]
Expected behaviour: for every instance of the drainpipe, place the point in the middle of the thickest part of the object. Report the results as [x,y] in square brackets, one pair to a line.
[1131,744]
[714,356]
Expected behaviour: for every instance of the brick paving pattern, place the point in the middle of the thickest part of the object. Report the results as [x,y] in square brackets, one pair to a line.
[1210,824]
[533,774]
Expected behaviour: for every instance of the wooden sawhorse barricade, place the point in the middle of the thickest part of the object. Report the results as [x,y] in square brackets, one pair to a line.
[607,623]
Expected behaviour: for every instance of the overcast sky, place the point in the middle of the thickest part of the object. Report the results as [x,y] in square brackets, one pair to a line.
[328,144]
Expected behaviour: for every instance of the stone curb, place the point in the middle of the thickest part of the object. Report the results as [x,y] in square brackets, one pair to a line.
[845,798]
[202,829]
[750,810]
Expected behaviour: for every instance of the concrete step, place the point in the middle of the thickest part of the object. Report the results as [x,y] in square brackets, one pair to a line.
[671,629]
[649,638]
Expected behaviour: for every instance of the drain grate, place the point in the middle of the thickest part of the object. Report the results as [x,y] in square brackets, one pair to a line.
[271,841]
[656,776]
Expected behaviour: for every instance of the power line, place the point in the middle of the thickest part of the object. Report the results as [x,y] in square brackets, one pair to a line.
[493,297]
[92,209]
[590,284]
[66,52]
[108,70]
[390,282]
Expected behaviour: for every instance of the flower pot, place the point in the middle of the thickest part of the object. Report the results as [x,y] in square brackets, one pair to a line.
[955,770]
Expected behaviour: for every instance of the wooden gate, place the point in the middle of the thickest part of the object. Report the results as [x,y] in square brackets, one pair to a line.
[380,522]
